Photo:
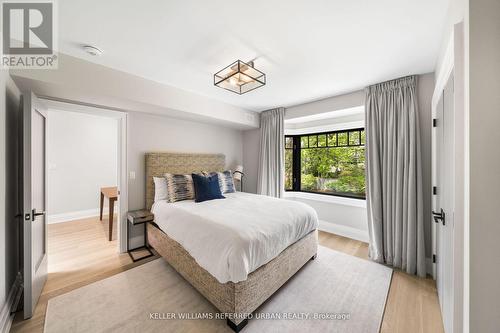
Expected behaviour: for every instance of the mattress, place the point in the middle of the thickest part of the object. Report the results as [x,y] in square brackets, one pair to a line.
[232,237]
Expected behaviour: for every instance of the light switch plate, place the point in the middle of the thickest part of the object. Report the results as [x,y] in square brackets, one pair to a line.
[132,174]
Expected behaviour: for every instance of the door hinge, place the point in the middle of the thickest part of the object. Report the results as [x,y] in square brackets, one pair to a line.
[434,122]
[434,190]
[433,258]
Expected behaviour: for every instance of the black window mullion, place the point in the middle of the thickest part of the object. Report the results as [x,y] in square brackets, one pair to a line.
[296,162]
[297,156]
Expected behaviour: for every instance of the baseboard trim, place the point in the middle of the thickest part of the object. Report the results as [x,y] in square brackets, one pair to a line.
[343,230]
[81,214]
[7,315]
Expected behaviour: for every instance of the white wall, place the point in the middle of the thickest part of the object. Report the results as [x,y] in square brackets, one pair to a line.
[484,116]
[149,133]
[348,219]
[456,13]
[251,142]
[10,226]
[340,102]
[82,158]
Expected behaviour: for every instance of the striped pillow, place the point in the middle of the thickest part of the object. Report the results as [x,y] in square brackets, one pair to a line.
[226,181]
[179,187]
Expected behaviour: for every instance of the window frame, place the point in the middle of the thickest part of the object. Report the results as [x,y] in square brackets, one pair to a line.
[296,157]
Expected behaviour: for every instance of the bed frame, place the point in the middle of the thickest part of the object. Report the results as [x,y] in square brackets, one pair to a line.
[239,299]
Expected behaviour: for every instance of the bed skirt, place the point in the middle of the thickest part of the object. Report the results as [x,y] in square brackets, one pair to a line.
[243,297]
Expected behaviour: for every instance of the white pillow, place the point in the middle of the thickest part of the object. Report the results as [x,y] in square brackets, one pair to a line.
[160,188]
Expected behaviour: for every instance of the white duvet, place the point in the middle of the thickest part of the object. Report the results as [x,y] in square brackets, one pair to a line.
[232,237]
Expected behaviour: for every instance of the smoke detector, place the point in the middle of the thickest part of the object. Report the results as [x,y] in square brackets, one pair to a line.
[92,50]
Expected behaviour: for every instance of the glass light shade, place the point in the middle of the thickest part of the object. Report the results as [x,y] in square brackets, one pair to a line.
[238,172]
[239,77]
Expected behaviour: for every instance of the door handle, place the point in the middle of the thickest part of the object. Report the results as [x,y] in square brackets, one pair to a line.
[439,216]
[34,214]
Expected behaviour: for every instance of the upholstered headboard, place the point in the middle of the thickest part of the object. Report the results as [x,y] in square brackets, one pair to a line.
[157,164]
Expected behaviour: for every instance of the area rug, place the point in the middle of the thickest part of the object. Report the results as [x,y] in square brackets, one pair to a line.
[334,293]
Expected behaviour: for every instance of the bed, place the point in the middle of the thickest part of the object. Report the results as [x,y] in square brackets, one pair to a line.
[233,255]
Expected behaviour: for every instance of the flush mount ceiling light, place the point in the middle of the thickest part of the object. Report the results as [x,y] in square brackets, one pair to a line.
[92,50]
[240,77]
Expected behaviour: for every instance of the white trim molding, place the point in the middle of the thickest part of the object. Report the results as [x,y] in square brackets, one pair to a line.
[325,128]
[78,215]
[443,74]
[326,198]
[345,231]
[10,305]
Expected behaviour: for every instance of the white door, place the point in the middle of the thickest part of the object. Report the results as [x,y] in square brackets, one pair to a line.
[34,201]
[443,204]
[438,197]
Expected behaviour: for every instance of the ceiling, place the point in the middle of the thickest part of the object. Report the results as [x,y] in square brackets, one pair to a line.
[308,49]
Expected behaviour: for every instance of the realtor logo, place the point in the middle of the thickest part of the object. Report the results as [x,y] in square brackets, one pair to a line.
[28,35]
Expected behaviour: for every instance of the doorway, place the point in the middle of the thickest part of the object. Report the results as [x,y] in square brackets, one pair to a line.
[443,203]
[79,149]
[86,157]
[82,169]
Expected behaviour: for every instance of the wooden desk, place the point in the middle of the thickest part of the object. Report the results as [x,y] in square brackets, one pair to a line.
[112,194]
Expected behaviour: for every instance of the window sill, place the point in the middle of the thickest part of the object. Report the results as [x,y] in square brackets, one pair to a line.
[326,198]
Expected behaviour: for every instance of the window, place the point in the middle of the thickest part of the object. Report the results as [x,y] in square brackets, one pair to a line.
[326,163]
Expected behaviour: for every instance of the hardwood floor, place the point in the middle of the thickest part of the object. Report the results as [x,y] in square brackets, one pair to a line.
[79,254]
[412,305]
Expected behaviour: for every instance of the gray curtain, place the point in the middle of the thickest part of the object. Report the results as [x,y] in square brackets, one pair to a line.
[394,175]
[270,180]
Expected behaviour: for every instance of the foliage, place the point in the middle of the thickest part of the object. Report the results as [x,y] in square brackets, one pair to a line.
[308,182]
[353,183]
[330,163]
[340,169]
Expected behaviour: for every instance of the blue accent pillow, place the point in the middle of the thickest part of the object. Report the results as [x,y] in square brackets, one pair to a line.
[206,188]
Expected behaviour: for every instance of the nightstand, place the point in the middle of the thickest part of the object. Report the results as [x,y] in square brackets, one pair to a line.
[137,217]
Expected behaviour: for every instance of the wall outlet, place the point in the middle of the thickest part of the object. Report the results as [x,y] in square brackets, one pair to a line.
[132,175]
